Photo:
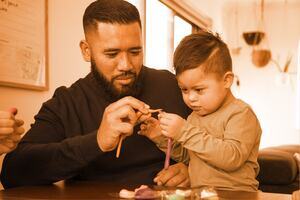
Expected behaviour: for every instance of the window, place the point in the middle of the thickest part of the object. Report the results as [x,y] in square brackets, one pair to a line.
[163,29]
[159,35]
[181,29]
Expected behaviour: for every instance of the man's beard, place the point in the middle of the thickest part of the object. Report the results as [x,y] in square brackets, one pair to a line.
[132,89]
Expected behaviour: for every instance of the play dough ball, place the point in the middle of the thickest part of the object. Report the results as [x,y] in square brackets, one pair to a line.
[185,193]
[144,192]
[209,194]
[126,194]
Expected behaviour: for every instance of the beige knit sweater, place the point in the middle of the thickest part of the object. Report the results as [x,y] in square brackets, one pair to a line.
[223,147]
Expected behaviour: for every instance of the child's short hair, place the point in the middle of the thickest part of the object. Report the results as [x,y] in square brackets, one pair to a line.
[205,49]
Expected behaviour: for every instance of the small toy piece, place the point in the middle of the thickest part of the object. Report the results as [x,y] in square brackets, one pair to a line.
[143,192]
[209,194]
[126,194]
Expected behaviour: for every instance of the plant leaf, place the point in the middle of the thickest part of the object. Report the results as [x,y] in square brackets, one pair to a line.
[287,64]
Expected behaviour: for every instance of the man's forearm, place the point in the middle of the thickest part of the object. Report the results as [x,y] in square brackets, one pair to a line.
[36,164]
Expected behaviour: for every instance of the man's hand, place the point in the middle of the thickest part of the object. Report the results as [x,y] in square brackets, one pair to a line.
[175,175]
[119,119]
[150,128]
[10,130]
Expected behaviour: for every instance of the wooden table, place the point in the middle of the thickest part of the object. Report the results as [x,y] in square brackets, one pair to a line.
[96,190]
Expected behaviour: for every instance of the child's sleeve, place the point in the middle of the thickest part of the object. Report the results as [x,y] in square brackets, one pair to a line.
[242,134]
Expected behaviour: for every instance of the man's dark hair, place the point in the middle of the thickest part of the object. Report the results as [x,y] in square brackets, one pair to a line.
[110,11]
[205,49]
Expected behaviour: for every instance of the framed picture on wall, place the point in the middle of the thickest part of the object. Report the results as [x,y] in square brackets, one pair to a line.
[24,44]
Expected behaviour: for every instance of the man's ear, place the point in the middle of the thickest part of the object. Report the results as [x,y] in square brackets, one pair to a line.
[228,79]
[85,50]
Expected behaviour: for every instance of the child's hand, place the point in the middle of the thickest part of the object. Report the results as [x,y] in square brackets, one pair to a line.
[150,128]
[142,117]
[11,130]
[170,124]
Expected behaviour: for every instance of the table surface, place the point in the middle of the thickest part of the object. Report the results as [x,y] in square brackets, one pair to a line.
[96,190]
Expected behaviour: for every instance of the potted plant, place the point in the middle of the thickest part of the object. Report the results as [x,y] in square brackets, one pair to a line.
[253,37]
[283,77]
[261,57]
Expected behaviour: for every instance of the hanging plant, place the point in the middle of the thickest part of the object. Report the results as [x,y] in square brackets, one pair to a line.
[261,53]
[283,77]
[253,37]
[286,65]
[261,57]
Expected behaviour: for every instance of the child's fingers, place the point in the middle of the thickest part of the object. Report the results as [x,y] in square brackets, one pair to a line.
[144,129]
[19,122]
[13,111]
[165,133]
[8,143]
[143,126]
[165,115]
[152,121]
[160,115]
[164,121]
[142,132]
[5,115]
[7,123]
[19,130]
[5,131]
[15,138]
[143,118]
[4,149]
[164,127]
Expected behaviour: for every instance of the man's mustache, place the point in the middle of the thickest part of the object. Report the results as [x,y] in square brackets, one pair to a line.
[125,75]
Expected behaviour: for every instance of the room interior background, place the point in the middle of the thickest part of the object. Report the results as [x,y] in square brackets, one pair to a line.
[273,100]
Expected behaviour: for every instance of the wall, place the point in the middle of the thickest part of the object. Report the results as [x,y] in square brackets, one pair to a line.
[274,104]
[65,62]
[213,9]
[273,101]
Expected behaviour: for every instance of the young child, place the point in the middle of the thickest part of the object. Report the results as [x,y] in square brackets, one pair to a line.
[222,134]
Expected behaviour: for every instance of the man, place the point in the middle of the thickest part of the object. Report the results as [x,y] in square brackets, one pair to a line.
[76,133]
[11,130]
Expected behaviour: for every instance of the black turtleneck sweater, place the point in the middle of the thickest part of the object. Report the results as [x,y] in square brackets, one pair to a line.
[62,142]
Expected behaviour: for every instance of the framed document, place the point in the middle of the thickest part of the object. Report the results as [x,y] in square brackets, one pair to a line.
[23,44]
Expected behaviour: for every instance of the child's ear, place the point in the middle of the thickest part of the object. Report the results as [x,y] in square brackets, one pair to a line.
[85,50]
[228,79]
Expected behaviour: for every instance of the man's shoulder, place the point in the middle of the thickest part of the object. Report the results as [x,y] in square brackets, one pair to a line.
[68,99]
[158,72]
[75,87]
[64,95]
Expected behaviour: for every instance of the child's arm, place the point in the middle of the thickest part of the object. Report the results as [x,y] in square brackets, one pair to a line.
[241,138]
[151,129]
